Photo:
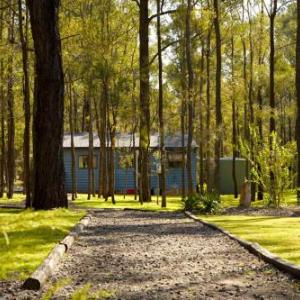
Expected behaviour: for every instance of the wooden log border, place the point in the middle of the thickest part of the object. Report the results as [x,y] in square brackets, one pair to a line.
[255,249]
[39,277]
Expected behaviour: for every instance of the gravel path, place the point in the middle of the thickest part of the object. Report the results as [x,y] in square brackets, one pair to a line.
[146,255]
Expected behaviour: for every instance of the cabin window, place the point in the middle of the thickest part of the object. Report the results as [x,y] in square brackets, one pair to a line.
[175,160]
[126,160]
[83,162]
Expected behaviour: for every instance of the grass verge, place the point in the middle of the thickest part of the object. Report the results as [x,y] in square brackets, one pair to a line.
[280,236]
[17,198]
[27,237]
[289,200]
[173,203]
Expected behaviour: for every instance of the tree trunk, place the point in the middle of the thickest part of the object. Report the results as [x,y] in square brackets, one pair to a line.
[219,120]
[161,111]
[183,146]
[98,126]
[234,131]
[49,185]
[91,186]
[2,117]
[272,86]
[272,67]
[144,103]
[26,95]
[73,151]
[103,148]
[10,115]
[208,114]
[260,190]
[201,115]
[250,98]
[182,125]
[190,99]
[112,163]
[298,97]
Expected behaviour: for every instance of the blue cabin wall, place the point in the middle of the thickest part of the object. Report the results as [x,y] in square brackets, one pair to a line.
[124,178]
[81,174]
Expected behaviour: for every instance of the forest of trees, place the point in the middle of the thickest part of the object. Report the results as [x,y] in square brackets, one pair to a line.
[221,72]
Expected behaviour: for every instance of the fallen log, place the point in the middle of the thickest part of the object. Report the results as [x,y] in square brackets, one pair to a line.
[45,270]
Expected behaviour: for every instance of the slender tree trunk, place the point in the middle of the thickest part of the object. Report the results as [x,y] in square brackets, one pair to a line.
[49,184]
[201,127]
[190,99]
[10,116]
[234,131]
[75,113]
[144,103]
[246,130]
[182,125]
[103,146]
[73,151]
[260,191]
[112,162]
[98,126]
[272,86]
[2,112]
[219,119]
[183,147]
[208,114]
[161,110]
[27,112]
[91,181]
[272,67]
[250,97]
[298,98]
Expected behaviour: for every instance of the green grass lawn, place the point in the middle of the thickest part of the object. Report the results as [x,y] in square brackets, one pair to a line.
[31,236]
[173,203]
[17,198]
[289,200]
[280,236]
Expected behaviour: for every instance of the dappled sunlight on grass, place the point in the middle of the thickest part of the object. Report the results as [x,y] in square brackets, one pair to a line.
[279,235]
[229,201]
[31,236]
[173,203]
[17,198]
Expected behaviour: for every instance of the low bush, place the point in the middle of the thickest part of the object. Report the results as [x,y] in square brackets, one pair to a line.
[209,203]
[191,203]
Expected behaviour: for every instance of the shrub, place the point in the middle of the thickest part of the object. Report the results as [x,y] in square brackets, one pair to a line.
[209,203]
[191,203]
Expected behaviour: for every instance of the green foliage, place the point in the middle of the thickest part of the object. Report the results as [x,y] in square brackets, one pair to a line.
[270,165]
[209,203]
[191,203]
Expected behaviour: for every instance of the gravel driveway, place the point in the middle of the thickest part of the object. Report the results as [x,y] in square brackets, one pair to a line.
[147,255]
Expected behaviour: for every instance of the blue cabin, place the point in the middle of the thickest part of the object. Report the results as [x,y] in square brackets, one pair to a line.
[126,144]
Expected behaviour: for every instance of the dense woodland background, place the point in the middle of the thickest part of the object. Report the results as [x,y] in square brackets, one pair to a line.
[222,72]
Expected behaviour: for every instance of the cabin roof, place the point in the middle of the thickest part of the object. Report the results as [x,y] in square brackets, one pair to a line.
[123,140]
